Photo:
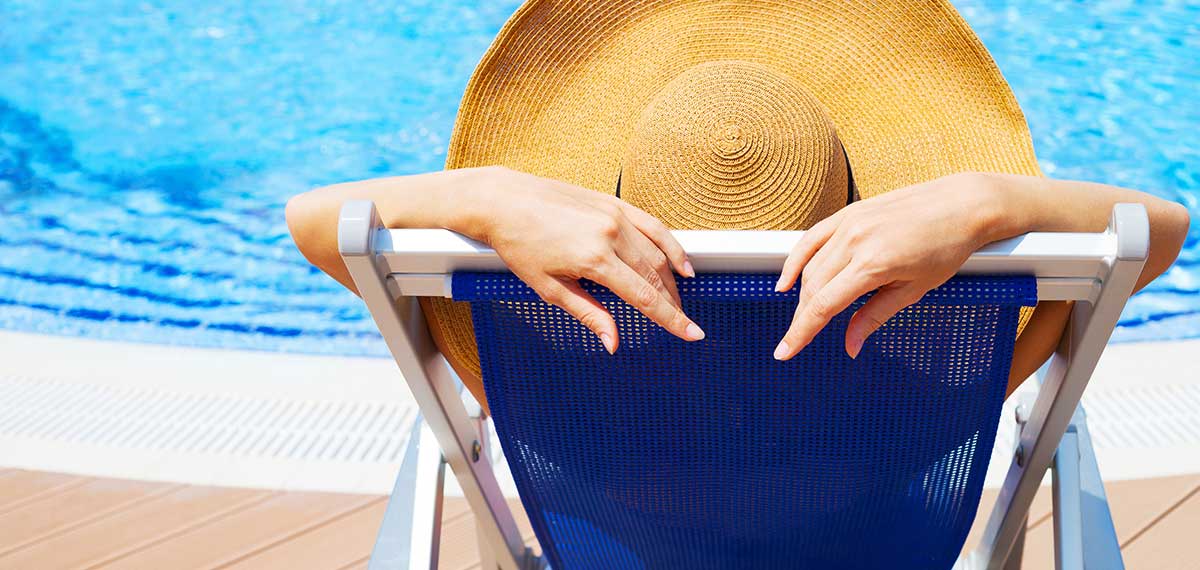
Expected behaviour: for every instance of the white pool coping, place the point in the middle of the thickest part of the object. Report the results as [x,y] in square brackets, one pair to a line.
[233,418]
[300,422]
[1143,413]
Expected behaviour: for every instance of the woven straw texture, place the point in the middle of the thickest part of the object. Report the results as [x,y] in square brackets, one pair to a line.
[672,454]
[734,145]
[591,93]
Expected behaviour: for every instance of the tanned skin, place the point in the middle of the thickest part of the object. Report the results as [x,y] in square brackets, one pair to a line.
[903,243]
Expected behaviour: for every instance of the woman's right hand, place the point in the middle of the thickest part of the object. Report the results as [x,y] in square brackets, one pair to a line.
[551,234]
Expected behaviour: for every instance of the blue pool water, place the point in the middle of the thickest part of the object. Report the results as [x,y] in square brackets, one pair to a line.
[147,147]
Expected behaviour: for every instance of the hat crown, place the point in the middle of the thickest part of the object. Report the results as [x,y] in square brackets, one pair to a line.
[735,145]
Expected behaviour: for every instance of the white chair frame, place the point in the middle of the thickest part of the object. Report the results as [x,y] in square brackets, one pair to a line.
[392,268]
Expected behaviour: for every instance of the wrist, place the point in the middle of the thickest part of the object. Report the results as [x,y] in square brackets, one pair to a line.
[467,207]
[1002,208]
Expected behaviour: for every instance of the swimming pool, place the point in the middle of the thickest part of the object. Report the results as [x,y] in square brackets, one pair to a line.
[147,147]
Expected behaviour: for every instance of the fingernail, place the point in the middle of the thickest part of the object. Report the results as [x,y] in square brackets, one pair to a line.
[781,351]
[688,270]
[779,285]
[694,332]
[606,339]
[854,349]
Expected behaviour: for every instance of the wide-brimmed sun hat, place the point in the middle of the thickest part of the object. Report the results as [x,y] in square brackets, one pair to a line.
[733,114]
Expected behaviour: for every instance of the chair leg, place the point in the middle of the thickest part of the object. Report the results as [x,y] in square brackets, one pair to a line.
[487,558]
[399,318]
[1018,550]
[1068,513]
[1017,553]
[411,529]
[1084,535]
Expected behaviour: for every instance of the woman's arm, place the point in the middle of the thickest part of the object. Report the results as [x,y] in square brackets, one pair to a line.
[909,241]
[436,200]
[1042,204]
[549,233]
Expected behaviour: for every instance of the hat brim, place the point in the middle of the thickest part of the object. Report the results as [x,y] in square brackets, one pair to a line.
[912,92]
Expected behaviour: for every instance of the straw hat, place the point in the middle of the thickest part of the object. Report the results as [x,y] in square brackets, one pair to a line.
[733,114]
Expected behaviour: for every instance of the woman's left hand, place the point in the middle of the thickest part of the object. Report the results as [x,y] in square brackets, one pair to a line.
[902,244]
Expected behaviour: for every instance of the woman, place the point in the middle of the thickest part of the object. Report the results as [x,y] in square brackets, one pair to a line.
[901,175]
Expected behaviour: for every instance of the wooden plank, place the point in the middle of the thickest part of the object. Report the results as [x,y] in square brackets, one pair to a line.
[1137,504]
[459,549]
[1171,543]
[72,507]
[1134,505]
[62,521]
[241,534]
[453,509]
[1038,511]
[353,534]
[137,527]
[19,487]
[360,564]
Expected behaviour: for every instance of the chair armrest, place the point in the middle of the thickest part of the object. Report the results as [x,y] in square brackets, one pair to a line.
[1084,536]
[412,524]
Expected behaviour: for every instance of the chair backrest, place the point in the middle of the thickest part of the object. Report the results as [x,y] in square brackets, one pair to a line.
[391,268]
[714,455]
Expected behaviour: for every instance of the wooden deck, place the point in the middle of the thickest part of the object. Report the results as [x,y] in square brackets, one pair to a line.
[51,520]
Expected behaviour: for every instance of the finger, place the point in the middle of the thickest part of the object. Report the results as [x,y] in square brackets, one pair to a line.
[658,233]
[804,250]
[638,252]
[825,304]
[645,297]
[668,279]
[881,307]
[570,296]
[824,265]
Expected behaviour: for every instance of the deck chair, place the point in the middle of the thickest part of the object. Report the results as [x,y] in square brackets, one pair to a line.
[713,455]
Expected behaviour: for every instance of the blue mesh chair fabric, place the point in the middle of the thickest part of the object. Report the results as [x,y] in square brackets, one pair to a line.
[673,455]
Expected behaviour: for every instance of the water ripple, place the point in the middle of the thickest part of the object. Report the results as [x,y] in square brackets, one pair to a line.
[146,151]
